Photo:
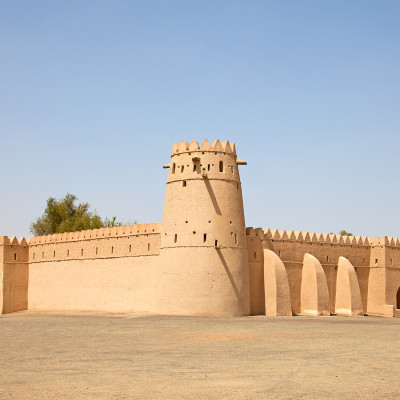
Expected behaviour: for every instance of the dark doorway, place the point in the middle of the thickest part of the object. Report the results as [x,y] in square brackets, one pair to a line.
[398,299]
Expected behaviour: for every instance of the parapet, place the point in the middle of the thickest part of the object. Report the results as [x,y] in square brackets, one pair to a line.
[325,238]
[385,241]
[13,250]
[217,146]
[259,233]
[117,231]
[5,240]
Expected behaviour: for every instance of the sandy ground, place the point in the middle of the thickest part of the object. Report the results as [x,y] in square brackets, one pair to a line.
[105,356]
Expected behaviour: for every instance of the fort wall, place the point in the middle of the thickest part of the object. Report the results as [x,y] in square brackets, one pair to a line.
[117,242]
[14,274]
[375,260]
[118,269]
[107,269]
[125,284]
[202,260]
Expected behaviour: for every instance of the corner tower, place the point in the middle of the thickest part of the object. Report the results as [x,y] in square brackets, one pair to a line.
[203,267]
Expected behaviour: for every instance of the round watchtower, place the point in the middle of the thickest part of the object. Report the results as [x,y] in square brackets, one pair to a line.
[203,266]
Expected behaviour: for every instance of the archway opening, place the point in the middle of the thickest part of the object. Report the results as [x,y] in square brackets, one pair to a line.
[398,299]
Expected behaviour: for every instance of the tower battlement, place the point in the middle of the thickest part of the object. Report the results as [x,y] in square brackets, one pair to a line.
[190,161]
[217,146]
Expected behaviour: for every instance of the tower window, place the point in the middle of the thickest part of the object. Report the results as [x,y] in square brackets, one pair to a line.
[54,253]
[33,256]
[391,261]
[112,249]
[68,253]
[208,167]
[255,255]
[221,166]
[175,238]
[327,258]
[184,183]
[15,256]
[42,254]
[216,243]
[236,242]
[376,261]
[232,169]
[204,237]
[97,250]
[148,246]
[173,168]
[194,167]
[81,252]
[182,168]
[130,248]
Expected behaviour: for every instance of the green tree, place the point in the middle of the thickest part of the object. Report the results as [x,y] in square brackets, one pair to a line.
[66,215]
[110,223]
[344,233]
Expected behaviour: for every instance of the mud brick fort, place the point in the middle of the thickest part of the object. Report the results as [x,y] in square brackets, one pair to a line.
[202,259]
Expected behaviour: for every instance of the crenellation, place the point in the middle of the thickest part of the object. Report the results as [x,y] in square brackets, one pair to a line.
[250,231]
[275,234]
[206,145]
[85,247]
[194,146]
[267,233]
[306,236]
[299,236]
[283,235]
[260,233]
[217,146]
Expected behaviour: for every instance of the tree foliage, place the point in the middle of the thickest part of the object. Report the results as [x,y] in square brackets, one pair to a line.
[345,233]
[67,215]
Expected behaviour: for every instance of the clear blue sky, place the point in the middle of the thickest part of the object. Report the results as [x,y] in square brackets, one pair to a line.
[93,94]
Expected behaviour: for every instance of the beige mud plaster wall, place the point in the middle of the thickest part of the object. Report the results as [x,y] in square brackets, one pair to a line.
[94,247]
[203,267]
[392,286]
[363,281]
[1,274]
[256,273]
[291,246]
[376,290]
[392,256]
[331,277]
[385,251]
[109,269]
[326,253]
[294,271]
[15,277]
[123,284]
